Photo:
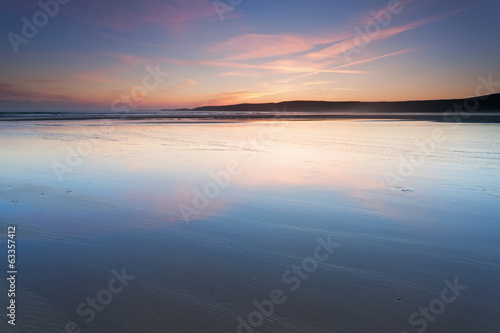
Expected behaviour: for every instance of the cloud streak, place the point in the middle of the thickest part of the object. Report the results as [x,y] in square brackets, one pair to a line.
[254,46]
[357,41]
[365,61]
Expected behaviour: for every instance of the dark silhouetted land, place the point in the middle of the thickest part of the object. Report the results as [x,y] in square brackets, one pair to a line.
[481,104]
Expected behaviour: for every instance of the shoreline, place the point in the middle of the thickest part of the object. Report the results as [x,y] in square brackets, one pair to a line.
[481,117]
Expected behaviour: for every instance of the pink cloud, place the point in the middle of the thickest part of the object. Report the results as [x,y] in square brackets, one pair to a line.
[253,46]
[349,89]
[303,66]
[319,83]
[244,69]
[241,73]
[278,66]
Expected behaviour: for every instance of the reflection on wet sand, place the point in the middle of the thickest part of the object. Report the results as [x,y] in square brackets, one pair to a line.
[259,195]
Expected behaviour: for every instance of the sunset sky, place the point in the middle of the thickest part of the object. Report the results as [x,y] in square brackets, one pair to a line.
[92,53]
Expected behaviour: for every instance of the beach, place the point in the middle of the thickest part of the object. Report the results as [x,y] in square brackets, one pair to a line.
[231,166]
[345,225]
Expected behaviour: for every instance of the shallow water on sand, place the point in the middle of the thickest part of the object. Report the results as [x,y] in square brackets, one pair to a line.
[211,218]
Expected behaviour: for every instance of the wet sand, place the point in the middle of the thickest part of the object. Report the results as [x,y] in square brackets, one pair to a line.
[118,209]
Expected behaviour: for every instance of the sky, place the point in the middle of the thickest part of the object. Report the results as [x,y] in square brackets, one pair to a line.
[155,54]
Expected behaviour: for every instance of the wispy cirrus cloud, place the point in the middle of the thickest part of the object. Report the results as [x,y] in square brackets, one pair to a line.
[349,89]
[254,46]
[287,67]
[279,66]
[368,60]
[318,83]
[241,73]
[354,42]
[289,50]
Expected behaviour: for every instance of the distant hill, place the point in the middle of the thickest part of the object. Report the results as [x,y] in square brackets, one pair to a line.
[489,103]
